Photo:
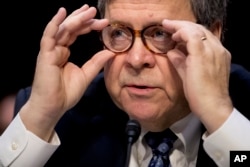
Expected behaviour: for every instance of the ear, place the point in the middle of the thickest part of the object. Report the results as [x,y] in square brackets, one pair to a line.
[216,29]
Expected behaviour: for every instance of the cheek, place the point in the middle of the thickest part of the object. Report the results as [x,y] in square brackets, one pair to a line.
[109,73]
[171,82]
[112,70]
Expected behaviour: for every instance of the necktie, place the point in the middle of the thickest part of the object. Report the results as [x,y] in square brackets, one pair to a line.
[161,143]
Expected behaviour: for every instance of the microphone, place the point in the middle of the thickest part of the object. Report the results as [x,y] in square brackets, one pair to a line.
[133,131]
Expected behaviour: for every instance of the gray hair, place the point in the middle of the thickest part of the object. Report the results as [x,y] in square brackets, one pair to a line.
[207,12]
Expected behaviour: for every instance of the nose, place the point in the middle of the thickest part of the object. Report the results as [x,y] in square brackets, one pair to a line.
[139,56]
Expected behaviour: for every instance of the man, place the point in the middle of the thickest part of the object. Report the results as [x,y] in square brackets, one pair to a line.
[161,68]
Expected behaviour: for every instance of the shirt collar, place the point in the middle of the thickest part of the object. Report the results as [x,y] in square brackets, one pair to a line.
[188,131]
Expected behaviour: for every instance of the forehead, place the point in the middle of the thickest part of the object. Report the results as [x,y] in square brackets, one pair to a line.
[143,12]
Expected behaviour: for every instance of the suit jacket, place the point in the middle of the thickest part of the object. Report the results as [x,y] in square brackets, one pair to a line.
[93,132]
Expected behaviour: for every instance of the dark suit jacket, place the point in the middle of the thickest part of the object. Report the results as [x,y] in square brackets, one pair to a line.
[93,132]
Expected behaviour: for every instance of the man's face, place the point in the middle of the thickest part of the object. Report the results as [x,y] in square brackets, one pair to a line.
[142,83]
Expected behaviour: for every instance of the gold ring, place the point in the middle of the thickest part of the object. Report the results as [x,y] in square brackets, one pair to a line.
[203,38]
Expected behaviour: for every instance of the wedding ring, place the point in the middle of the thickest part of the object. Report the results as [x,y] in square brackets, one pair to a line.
[203,38]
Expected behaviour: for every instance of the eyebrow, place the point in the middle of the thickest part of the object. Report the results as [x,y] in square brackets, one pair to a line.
[131,26]
[121,23]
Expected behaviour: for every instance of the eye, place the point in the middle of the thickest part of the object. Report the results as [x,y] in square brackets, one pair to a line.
[157,34]
[117,37]
[119,34]
[158,39]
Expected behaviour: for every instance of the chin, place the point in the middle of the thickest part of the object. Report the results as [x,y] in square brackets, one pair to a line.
[142,112]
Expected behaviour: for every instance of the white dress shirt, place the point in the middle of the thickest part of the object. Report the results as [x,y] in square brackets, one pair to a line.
[185,147]
[17,144]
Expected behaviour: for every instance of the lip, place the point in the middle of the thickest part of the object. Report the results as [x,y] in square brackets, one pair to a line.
[140,90]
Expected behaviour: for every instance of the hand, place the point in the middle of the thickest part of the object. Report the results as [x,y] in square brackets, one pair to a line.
[58,84]
[203,64]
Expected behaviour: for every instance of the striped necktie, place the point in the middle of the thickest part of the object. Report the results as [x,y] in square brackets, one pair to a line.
[161,143]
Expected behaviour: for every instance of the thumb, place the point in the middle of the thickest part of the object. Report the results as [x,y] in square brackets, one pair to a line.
[93,66]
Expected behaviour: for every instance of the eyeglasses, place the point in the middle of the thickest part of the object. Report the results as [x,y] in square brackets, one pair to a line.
[119,38]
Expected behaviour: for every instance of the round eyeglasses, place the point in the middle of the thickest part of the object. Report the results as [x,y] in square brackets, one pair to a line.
[119,38]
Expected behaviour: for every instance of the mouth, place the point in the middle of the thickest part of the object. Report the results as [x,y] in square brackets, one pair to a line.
[140,90]
[139,87]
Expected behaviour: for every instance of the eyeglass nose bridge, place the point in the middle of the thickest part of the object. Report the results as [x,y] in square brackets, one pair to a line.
[139,33]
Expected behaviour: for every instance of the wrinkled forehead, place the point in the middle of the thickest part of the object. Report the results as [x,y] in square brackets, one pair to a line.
[107,2]
[146,10]
[132,1]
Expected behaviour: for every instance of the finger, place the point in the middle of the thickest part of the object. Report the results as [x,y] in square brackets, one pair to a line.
[72,24]
[76,12]
[93,66]
[190,33]
[94,24]
[51,29]
[184,30]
